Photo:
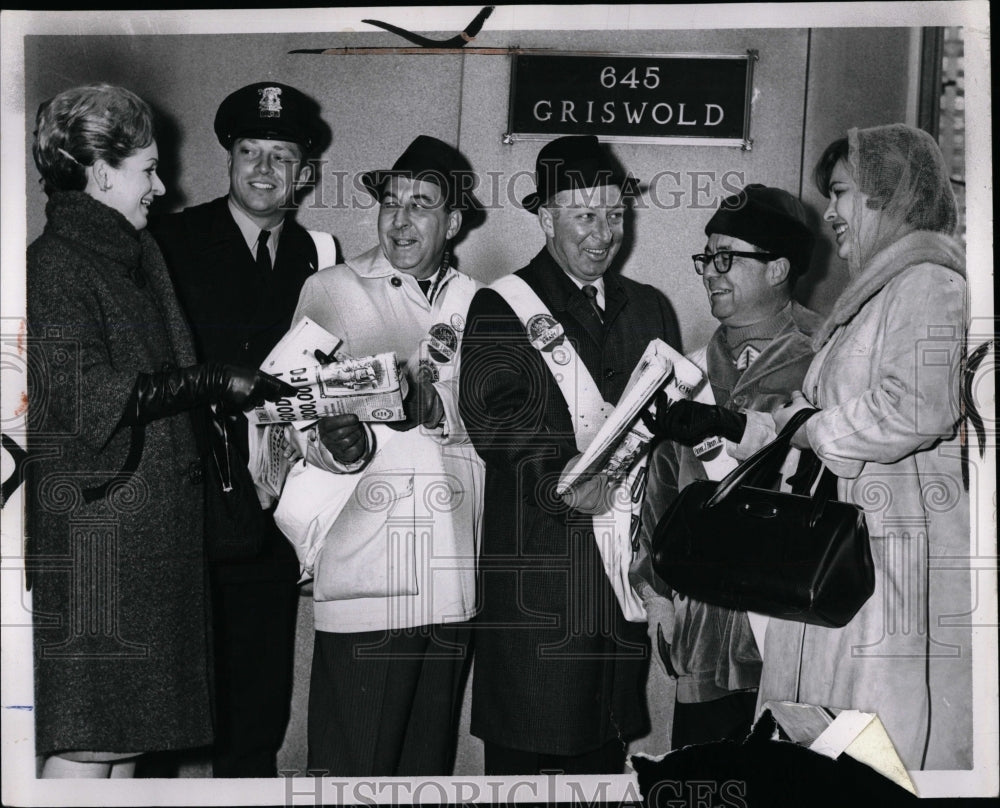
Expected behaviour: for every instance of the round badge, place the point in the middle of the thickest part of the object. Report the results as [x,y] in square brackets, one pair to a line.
[442,343]
[544,332]
[561,355]
[458,322]
[428,371]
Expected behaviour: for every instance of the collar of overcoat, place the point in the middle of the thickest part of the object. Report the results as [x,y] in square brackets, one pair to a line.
[374,264]
[566,299]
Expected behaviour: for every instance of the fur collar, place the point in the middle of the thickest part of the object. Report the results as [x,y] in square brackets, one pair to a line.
[917,247]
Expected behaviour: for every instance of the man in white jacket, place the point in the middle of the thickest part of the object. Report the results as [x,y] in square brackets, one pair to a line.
[392,633]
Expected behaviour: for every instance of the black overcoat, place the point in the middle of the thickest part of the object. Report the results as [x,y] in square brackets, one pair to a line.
[558,669]
[237,316]
[119,594]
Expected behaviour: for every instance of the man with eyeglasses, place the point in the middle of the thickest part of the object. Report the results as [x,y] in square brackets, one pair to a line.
[758,243]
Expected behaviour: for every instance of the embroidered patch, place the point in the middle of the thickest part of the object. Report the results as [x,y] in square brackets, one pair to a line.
[544,332]
[270,102]
[442,343]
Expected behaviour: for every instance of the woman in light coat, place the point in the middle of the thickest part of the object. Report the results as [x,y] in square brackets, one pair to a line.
[885,380]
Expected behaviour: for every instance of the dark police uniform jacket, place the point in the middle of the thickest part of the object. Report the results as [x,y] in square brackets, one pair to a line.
[237,317]
[558,669]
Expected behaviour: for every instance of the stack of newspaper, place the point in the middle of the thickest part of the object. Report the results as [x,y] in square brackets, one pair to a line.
[623,438]
[368,386]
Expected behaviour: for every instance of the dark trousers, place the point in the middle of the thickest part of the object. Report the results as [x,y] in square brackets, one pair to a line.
[727,719]
[386,703]
[500,761]
[254,625]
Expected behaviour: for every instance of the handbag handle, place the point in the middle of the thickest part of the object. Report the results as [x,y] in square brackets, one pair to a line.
[780,444]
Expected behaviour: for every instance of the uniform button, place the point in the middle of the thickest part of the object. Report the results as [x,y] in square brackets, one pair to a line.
[609,374]
[739,401]
[195,472]
[396,282]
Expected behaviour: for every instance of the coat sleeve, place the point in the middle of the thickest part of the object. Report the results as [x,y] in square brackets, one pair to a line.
[503,402]
[912,401]
[89,401]
[452,432]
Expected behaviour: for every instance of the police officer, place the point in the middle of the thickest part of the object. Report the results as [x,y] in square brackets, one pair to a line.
[239,263]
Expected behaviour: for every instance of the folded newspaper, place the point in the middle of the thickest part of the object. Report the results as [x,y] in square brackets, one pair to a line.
[368,386]
[623,438]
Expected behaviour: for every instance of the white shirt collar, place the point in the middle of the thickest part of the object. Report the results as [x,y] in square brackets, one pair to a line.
[251,231]
[597,283]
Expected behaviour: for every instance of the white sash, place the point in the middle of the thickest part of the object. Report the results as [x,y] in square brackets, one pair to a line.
[313,498]
[326,248]
[588,411]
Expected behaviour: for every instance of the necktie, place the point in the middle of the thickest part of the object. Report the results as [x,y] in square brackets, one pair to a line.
[591,293]
[425,287]
[263,254]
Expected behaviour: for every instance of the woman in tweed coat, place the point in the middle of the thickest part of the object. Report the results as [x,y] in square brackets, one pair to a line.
[115,498]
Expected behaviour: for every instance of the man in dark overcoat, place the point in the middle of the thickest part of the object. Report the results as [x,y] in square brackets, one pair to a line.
[558,671]
[239,263]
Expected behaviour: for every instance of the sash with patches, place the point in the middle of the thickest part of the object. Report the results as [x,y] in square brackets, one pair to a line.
[588,411]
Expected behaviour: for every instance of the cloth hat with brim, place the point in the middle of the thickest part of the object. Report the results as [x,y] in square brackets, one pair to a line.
[575,161]
[269,111]
[769,218]
[430,160]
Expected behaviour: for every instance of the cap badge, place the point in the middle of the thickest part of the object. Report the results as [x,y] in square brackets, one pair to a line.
[270,102]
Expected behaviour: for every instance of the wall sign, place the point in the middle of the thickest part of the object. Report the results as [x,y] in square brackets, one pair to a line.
[689,99]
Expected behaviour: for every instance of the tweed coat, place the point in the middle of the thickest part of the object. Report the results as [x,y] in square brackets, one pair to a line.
[886,383]
[237,317]
[121,643]
[558,669]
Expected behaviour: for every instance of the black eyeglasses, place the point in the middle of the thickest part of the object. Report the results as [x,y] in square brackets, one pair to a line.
[723,259]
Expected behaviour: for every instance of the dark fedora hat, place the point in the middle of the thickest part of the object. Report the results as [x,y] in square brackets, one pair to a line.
[769,218]
[431,160]
[575,161]
[270,111]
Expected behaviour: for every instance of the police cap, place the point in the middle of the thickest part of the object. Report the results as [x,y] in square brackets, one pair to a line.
[269,111]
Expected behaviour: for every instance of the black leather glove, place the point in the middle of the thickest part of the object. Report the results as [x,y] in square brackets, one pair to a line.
[343,436]
[690,422]
[159,395]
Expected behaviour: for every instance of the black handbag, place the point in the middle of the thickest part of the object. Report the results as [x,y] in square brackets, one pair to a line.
[754,549]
